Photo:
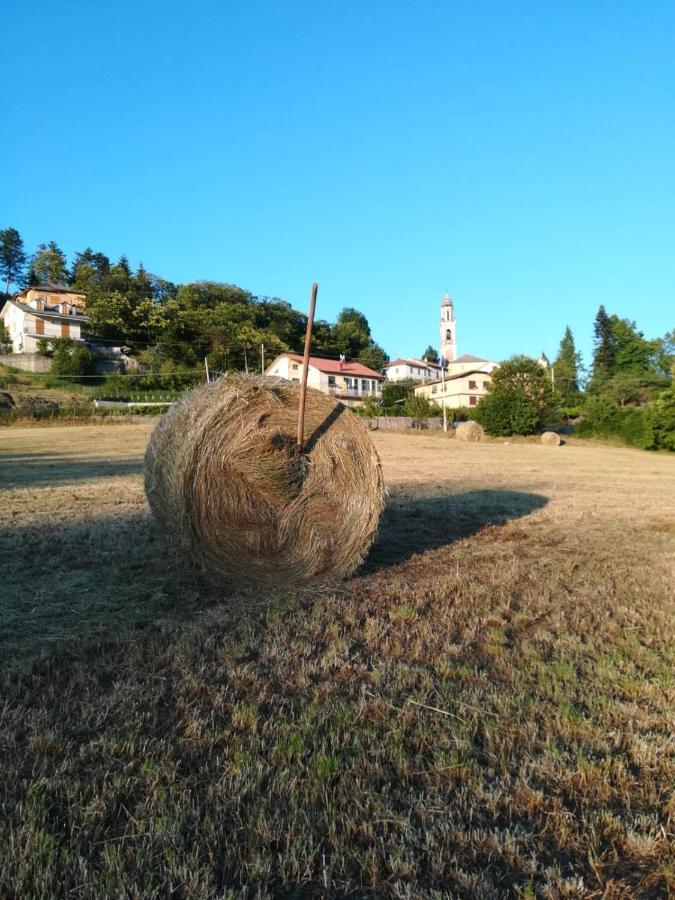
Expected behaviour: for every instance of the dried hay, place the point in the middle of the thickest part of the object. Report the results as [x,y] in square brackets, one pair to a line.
[550,439]
[223,478]
[470,431]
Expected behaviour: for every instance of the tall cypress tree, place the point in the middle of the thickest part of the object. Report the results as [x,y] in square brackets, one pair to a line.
[604,355]
[12,257]
[566,370]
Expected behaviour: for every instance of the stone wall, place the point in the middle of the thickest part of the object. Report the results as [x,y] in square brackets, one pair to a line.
[27,362]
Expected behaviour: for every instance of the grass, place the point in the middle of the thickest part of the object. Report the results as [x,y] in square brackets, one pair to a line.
[485,710]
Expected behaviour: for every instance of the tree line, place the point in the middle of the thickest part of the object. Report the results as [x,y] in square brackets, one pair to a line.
[170,325]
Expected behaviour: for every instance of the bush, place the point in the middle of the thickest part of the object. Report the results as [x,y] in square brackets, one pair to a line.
[417,408]
[505,413]
[663,421]
[636,428]
[71,360]
[519,400]
[601,418]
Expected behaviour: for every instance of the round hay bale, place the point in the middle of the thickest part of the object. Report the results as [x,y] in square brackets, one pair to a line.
[223,478]
[550,439]
[470,431]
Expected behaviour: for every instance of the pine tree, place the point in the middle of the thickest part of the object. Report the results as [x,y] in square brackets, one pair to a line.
[566,368]
[604,355]
[48,264]
[430,355]
[12,256]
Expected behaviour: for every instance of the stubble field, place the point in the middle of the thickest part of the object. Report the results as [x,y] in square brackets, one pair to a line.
[485,710]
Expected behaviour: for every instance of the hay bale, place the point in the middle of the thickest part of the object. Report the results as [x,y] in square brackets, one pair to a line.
[550,439]
[470,431]
[224,480]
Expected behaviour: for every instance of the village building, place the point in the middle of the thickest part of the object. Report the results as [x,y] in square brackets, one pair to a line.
[43,311]
[462,380]
[412,369]
[464,388]
[350,382]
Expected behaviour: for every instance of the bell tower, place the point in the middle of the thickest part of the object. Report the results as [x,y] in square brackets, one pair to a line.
[448,331]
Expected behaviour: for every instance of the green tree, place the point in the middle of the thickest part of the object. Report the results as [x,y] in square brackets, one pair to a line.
[418,408]
[71,359]
[430,355]
[48,264]
[374,357]
[395,391]
[604,354]
[12,257]
[566,370]
[633,353]
[519,400]
[352,332]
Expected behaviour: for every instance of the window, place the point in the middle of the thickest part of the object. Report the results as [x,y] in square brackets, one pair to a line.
[448,334]
[486,385]
[331,381]
[473,385]
[473,401]
[295,380]
[433,389]
[364,384]
[294,367]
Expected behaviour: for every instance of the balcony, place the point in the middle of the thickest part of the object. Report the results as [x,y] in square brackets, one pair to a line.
[352,392]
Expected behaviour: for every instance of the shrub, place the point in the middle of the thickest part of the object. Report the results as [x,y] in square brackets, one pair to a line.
[601,418]
[505,413]
[519,400]
[417,408]
[663,422]
[636,428]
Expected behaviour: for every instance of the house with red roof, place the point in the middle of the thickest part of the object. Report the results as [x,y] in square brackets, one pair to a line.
[350,382]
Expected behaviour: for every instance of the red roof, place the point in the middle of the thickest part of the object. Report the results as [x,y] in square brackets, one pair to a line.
[337,367]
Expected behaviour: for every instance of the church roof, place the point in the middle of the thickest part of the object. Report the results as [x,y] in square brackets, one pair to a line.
[447,300]
[468,358]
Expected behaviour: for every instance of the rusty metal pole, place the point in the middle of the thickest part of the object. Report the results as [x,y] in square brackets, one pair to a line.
[305,367]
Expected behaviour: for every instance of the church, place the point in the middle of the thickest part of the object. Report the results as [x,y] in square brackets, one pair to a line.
[462,380]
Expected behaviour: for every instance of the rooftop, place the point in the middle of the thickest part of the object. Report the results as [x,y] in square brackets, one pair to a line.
[336,366]
[51,289]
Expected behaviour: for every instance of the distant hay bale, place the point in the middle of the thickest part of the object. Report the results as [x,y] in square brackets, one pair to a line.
[223,478]
[550,439]
[470,431]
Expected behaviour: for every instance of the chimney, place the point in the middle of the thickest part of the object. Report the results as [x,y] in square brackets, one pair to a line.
[342,360]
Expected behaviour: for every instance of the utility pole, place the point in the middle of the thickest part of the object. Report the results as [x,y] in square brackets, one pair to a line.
[262,359]
[206,366]
[445,411]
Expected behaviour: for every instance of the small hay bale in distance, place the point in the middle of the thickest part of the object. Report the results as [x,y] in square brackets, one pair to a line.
[550,439]
[224,479]
[470,431]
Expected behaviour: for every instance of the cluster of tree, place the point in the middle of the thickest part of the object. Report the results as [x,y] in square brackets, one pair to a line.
[629,392]
[184,323]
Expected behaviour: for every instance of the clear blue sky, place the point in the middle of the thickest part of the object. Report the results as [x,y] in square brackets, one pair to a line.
[520,155]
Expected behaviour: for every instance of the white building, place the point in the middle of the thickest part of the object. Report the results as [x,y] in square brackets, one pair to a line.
[43,311]
[412,369]
[350,382]
[463,388]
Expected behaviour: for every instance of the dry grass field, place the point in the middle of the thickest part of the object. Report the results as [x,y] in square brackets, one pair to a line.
[485,710]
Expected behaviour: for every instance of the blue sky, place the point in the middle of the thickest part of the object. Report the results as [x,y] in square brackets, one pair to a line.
[519,155]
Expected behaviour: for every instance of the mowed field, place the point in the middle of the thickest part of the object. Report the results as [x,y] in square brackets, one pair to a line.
[485,710]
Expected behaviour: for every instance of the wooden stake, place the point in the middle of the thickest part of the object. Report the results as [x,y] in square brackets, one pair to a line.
[305,368]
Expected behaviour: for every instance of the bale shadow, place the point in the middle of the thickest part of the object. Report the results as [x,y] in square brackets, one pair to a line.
[413,525]
[38,469]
